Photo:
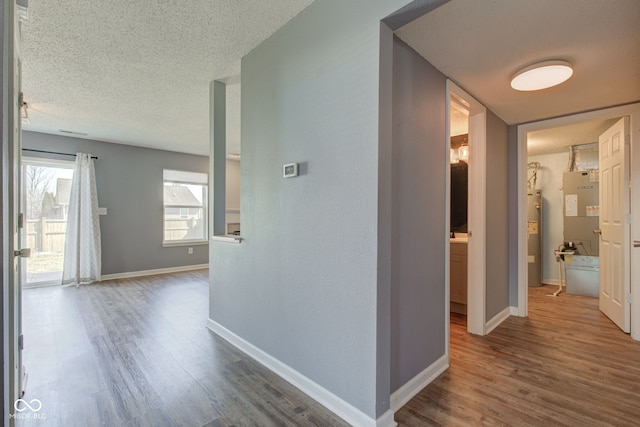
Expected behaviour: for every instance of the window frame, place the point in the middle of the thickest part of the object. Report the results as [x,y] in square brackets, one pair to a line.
[173,176]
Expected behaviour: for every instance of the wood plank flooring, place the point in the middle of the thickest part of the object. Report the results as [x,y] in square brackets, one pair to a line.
[136,352]
[564,365]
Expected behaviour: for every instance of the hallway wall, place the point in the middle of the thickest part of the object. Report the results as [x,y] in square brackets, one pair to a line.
[418,210]
[303,285]
[497,216]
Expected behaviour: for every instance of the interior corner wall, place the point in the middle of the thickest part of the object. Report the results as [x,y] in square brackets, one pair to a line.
[497,240]
[129,185]
[302,285]
[512,180]
[418,215]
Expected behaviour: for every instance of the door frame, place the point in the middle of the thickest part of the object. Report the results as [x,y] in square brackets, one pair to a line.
[11,152]
[631,110]
[477,224]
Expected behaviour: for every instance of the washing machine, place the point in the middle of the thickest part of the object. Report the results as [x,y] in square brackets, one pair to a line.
[582,275]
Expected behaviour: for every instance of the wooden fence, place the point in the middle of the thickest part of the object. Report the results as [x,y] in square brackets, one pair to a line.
[46,235]
[179,229]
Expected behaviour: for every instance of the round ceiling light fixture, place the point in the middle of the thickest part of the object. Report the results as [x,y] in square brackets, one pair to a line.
[542,75]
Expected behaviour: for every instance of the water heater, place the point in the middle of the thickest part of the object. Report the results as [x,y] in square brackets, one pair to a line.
[534,237]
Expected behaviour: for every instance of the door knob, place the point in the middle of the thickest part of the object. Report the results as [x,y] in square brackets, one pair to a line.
[23,253]
[597,231]
[636,243]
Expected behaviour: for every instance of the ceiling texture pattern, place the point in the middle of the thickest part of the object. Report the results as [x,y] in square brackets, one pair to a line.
[138,71]
[557,140]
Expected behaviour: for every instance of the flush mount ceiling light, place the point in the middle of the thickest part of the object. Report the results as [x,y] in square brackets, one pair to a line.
[542,75]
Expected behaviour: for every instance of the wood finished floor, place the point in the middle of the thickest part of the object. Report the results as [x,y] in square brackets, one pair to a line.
[564,365]
[136,353]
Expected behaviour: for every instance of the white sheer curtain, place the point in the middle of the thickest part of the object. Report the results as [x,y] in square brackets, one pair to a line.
[82,251]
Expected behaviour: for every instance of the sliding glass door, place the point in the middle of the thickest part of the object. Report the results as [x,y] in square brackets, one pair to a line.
[45,193]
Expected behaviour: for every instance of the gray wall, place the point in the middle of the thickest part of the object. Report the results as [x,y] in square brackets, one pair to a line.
[513,214]
[497,252]
[303,285]
[129,182]
[418,211]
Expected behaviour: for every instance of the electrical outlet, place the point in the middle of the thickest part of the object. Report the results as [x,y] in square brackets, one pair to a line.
[190,251]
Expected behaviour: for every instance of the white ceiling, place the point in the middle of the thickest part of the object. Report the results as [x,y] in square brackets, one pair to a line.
[480,45]
[138,72]
[557,140]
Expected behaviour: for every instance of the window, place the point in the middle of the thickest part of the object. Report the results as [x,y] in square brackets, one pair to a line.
[185,207]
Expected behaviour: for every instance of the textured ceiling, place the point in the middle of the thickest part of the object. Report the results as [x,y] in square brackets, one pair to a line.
[556,140]
[480,45]
[138,71]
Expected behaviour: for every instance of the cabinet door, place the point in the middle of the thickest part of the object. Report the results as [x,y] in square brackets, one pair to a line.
[458,273]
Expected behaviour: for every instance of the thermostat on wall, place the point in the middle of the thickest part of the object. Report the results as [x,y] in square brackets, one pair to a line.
[290,170]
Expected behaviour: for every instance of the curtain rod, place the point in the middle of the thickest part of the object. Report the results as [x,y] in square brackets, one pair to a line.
[53,152]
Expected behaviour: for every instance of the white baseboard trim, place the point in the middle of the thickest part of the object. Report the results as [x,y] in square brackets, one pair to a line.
[553,282]
[514,311]
[344,410]
[386,420]
[141,273]
[497,320]
[400,397]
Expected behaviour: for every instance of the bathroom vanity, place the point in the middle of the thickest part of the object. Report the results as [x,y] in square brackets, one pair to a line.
[458,274]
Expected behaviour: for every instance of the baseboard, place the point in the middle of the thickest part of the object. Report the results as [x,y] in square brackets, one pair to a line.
[344,410]
[514,311]
[497,320]
[386,420]
[408,391]
[141,273]
[455,307]
[553,282]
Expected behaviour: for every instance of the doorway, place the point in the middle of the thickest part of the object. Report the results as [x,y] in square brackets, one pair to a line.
[471,117]
[563,166]
[45,194]
[633,112]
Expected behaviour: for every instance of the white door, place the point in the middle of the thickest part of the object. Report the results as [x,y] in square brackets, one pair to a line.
[615,282]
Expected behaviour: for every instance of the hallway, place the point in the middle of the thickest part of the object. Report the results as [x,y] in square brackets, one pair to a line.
[566,364]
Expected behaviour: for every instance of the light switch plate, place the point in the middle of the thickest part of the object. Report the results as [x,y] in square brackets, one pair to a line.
[290,170]
[102,211]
